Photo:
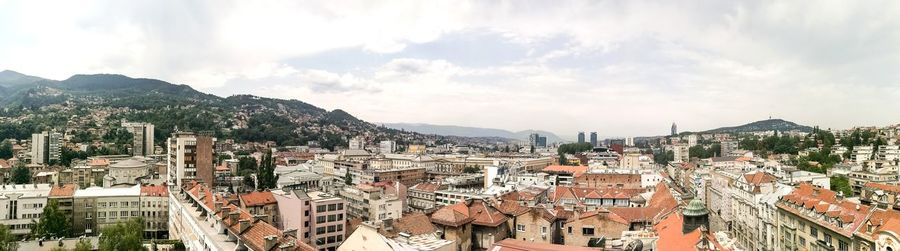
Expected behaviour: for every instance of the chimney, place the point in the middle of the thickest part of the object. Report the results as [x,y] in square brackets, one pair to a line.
[270,241]
[286,247]
[233,216]
[225,212]
[388,224]
[290,232]
[218,206]
[244,224]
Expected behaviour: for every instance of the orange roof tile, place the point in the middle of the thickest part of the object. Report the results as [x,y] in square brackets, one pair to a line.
[155,191]
[452,215]
[671,236]
[256,198]
[574,170]
[414,224]
[520,245]
[66,190]
[759,178]
[884,187]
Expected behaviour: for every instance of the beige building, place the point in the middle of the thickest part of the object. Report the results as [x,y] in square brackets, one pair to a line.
[22,205]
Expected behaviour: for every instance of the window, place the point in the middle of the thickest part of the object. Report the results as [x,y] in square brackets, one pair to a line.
[570,230]
[543,229]
[320,208]
[332,207]
[813,232]
[331,229]
[320,230]
[320,219]
[827,239]
[520,227]
[340,238]
[332,218]
[842,246]
[589,231]
[801,242]
[340,206]
[340,217]
[330,239]
[340,227]
[305,212]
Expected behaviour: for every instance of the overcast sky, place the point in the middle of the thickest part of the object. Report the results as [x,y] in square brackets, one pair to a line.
[616,67]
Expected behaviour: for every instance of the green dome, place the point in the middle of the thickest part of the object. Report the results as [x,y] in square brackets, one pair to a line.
[695,208]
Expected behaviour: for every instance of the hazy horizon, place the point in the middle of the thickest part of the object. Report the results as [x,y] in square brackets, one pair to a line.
[617,68]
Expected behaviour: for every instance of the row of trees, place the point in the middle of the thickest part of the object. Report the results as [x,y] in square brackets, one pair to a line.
[258,175]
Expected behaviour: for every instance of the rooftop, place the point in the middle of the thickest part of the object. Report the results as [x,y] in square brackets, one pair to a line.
[108,192]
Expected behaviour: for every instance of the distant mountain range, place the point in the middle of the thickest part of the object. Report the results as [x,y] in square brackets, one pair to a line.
[762,125]
[464,131]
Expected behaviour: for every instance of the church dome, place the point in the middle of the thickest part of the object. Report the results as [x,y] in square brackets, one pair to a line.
[695,208]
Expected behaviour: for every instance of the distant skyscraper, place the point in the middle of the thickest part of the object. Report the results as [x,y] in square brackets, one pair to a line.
[629,141]
[674,129]
[594,139]
[580,137]
[142,143]
[533,139]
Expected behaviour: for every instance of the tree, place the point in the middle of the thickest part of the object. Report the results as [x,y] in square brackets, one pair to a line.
[83,245]
[53,223]
[562,160]
[574,148]
[21,174]
[7,239]
[6,151]
[841,184]
[348,179]
[123,236]
[471,169]
[266,173]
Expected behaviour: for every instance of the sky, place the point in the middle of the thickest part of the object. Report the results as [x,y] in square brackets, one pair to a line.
[620,68]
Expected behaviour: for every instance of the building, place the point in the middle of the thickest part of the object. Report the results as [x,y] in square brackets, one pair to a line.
[126,172]
[681,153]
[520,245]
[594,139]
[356,143]
[883,195]
[155,211]
[727,147]
[143,143]
[368,237]
[96,208]
[46,147]
[538,225]
[327,220]
[609,180]
[888,152]
[62,195]
[536,140]
[387,146]
[580,137]
[422,197]
[813,218]
[22,205]
[471,225]
[861,154]
[629,141]
[262,205]
[370,202]
[190,157]
[692,139]
[674,129]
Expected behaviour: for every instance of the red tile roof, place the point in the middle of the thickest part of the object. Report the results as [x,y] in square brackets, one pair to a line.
[426,186]
[155,191]
[574,170]
[823,201]
[520,245]
[758,178]
[476,211]
[256,198]
[413,224]
[884,187]
[66,190]
[671,236]
[453,215]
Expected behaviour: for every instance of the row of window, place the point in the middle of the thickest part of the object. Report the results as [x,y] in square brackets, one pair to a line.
[330,239]
[329,207]
[117,204]
[330,229]
[330,218]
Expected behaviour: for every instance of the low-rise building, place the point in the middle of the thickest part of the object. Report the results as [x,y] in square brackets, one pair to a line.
[262,205]
[422,197]
[22,205]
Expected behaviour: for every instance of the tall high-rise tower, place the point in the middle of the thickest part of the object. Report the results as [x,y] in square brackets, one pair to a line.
[580,137]
[594,139]
[674,129]
[143,143]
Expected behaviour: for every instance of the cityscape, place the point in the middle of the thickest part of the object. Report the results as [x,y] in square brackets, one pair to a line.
[449,126]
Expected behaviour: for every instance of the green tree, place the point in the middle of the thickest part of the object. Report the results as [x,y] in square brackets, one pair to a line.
[53,223]
[21,174]
[562,160]
[6,151]
[471,169]
[348,179]
[266,173]
[123,236]
[7,239]
[83,245]
[841,184]
[573,148]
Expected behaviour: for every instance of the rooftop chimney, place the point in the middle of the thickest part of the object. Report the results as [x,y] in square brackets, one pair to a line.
[244,224]
[218,206]
[270,241]
[233,216]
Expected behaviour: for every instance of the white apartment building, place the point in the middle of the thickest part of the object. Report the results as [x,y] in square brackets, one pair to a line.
[387,146]
[45,147]
[372,203]
[861,154]
[190,158]
[692,139]
[889,152]
[142,143]
[22,205]
[681,153]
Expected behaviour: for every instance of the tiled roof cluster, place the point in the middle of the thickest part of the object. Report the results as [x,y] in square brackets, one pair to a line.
[476,211]
[841,216]
[253,233]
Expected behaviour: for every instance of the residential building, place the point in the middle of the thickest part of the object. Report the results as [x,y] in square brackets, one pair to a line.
[46,147]
[96,208]
[327,220]
[726,147]
[594,139]
[813,218]
[372,203]
[581,137]
[422,197]
[609,180]
[63,195]
[22,205]
[190,157]
[681,153]
[143,143]
[888,152]
[262,205]
[387,146]
[861,154]
[538,224]
[586,229]
[368,237]
[155,211]
[883,195]
[471,225]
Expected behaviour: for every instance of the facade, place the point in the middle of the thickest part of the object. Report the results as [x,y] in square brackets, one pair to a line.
[539,225]
[22,205]
[813,218]
[387,146]
[372,203]
[126,172]
[861,154]
[422,197]
[471,225]
[581,137]
[582,229]
[46,147]
[681,153]
[327,220]
[190,157]
[262,205]
[594,139]
[143,142]
[96,208]
[609,180]
[155,211]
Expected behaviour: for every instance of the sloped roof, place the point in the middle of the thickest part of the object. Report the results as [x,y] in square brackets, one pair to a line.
[671,236]
[413,224]
[758,178]
[66,190]
[426,186]
[824,201]
[452,215]
[520,245]
[155,191]
[574,170]
[256,198]
[884,187]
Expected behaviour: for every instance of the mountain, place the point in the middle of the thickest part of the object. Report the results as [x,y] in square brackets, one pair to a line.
[763,125]
[463,131]
[103,101]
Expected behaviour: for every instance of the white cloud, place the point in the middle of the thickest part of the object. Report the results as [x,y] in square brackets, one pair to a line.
[623,68]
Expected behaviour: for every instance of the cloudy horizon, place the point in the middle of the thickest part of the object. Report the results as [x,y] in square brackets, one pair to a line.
[618,68]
